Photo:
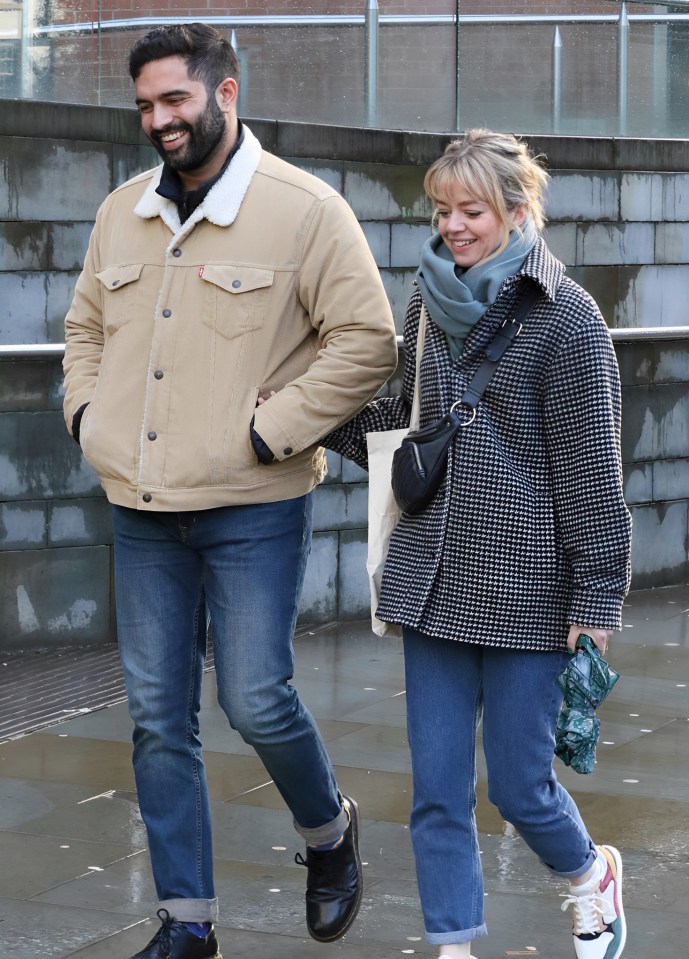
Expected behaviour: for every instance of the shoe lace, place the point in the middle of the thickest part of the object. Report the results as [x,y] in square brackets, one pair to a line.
[586,913]
[163,934]
[316,866]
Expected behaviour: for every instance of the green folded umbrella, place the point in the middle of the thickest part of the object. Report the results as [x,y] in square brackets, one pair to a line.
[585,682]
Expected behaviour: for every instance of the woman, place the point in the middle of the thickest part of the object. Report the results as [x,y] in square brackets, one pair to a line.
[525,546]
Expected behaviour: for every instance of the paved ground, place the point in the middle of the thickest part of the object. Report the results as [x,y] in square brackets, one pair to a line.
[74,876]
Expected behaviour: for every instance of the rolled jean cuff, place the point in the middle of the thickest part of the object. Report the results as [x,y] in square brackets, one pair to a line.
[582,870]
[191,910]
[330,832]
[456,938]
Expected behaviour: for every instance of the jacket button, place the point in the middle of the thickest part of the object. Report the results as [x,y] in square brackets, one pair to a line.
[167,312]
[115,282]
[152,435]
[177,252]
[236,284]
[147,497]
[287,451]
[159,374]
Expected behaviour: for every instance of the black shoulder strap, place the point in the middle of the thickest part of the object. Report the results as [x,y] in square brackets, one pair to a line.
[510,328]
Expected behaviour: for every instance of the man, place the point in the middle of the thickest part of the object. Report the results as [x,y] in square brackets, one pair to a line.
[228,316]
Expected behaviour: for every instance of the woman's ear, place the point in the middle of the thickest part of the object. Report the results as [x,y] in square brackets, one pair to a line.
[520,214]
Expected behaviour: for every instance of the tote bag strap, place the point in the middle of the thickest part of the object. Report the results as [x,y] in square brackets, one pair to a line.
[420,340]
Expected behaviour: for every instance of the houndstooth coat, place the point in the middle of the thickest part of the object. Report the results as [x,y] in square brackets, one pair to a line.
[529,533]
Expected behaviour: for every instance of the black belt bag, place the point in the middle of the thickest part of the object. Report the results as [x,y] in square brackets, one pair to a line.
[419,465]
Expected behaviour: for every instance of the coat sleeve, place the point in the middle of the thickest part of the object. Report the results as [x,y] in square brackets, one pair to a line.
[83,336]
[385,412]
[582,406]
[341,290]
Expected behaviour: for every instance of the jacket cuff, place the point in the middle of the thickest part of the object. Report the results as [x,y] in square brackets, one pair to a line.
[603,611]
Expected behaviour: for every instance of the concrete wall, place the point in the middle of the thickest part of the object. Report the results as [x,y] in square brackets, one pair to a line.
[616,208]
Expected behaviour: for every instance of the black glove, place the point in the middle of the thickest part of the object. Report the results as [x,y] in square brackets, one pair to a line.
[264,452]
[76,423]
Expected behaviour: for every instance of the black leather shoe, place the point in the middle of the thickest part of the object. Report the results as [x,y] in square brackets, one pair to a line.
[174,941]
[335,884]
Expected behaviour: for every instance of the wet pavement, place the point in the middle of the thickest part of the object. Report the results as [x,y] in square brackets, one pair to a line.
[74,874]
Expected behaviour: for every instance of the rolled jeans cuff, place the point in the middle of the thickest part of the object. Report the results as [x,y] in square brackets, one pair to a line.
[191,910]
[456,938]
[592,856]
[330,832]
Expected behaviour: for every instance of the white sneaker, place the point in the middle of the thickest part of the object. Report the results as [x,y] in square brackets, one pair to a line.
[600,931]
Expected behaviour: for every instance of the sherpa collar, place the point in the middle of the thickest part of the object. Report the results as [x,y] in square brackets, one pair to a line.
[223,201]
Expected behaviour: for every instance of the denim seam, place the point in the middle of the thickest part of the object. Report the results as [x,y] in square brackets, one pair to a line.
[195,765]
[476,868]
[590,859]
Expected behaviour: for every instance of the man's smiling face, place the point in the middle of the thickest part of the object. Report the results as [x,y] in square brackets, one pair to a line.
[183,122]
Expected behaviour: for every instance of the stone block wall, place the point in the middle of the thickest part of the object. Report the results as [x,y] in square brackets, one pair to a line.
[655,446]
[618,219]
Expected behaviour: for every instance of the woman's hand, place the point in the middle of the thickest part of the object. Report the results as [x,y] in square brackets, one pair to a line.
[264,399]
[599,636]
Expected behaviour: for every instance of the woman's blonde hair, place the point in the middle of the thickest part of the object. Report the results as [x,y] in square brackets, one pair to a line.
[495,168]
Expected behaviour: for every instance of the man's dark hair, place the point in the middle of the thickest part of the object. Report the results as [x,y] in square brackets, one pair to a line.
[209,56]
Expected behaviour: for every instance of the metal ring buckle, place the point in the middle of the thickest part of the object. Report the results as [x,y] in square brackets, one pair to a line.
[455,406]
[507,321]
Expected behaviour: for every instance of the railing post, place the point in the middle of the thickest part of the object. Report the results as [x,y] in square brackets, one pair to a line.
[100,53]
[243,74]
[371,62]
[26,89]
[661,78]
[457,67]
[623,68]
[557,80]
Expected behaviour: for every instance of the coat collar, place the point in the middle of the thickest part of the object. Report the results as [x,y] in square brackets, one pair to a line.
[223,201]
[544,268]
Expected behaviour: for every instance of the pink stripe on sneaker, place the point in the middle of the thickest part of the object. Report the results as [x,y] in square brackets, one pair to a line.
[607,879]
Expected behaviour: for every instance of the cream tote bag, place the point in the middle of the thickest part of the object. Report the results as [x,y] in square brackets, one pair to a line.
[383,511]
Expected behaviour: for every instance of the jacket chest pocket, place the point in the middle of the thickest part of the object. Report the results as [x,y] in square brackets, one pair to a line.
[235,298]
[119,290]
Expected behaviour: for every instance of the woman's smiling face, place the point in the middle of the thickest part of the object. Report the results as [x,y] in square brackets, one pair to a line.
[470,229]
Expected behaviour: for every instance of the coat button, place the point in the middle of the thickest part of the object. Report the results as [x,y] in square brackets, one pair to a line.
[167,312]
[177,252]
[152,435]
[236,284]
[159,374]
[287,451]
[147,497]
[115,282]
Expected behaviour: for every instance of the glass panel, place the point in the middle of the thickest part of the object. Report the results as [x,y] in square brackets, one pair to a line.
[530,66]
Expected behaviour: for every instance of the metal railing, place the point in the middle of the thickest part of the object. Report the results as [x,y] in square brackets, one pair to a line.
[624,334]
[373,20]
[35,351]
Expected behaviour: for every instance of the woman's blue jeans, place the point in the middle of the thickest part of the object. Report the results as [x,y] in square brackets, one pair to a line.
[245,565]
[451,687]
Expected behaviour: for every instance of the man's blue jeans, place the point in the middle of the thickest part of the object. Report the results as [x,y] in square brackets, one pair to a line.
[451,686]
[245,565]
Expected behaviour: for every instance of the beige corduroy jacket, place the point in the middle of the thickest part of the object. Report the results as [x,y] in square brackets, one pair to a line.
[176,330]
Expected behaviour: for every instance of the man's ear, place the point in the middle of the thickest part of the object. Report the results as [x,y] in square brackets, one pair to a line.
[226,94]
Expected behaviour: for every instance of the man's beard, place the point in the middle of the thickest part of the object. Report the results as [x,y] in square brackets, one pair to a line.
[203,137]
